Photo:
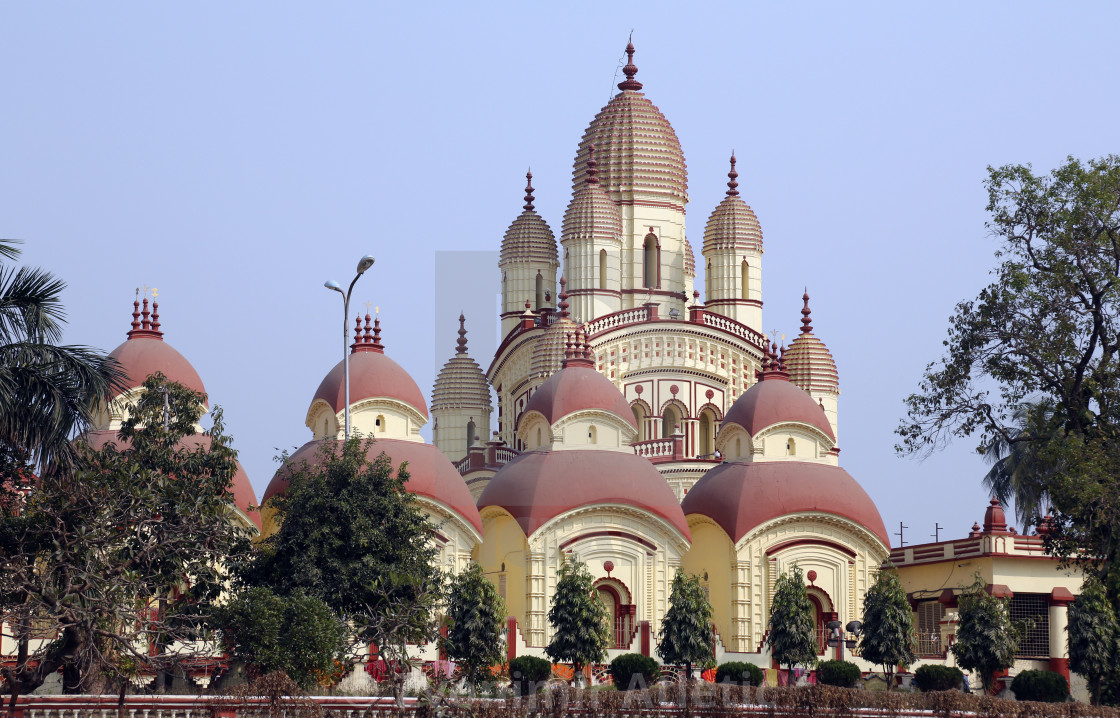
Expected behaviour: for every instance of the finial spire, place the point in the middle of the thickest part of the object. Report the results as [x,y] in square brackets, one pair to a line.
[528,190]
[733,185]
[376,343]
[145,324]
[630,70]
[461,347]
[806,320]
[357,335]
[591,165]
[563,305]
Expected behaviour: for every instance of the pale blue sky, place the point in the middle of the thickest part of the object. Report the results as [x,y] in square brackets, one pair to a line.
[236,155]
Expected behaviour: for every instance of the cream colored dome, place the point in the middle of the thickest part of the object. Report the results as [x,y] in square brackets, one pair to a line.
[461,383]
[689,259]
[548,351]
[592,214]
[640,157]
[808,360]
[732,224]
[529,238]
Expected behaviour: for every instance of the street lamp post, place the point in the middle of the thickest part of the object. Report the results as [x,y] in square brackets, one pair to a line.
[363,264]
[837,637]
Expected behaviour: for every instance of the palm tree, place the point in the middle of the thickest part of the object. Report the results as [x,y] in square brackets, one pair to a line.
[48,392]
[1017,472]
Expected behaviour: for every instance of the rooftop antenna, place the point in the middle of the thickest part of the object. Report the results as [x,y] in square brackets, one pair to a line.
[901,540]
[936,532]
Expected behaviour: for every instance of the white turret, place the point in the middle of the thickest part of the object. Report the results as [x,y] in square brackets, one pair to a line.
[528,263]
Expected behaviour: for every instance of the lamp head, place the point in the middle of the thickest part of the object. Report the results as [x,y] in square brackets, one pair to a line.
[331,284]
[365,263]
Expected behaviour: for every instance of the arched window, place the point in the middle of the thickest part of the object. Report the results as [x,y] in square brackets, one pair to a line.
[652,262]
[471,430]
[738,448]
[540,290]
[538,438]
[640,417]
[707,433]
[746,280]
[326,426]
[669,421]
[791,447]
[592,435]
[380,422]
[602,269]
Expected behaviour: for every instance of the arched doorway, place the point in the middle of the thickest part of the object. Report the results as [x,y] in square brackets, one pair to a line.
[822,614]
[620,610]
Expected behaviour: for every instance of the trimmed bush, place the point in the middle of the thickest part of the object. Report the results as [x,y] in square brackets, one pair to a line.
[938,678]
[1042,686]
[626,668]
[528,672]
[837,673]
[739,673]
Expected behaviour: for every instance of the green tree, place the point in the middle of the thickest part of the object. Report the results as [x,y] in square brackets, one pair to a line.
[887,632]
[102,555]
[476,617]
[686,635]
[986,637]
[792,635]
[1094,636]
[48,393]
[353,536]
[1044,331]
[297,634]
[580,634]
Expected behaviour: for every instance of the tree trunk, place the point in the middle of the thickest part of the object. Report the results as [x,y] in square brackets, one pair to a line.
[120,697]
[14,699]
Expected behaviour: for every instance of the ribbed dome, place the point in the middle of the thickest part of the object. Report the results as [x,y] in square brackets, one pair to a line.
[808,360]
[461,383]
[640,157]
[548,351]
[579,388]
[592,214]
[372,376]
[529,238]
[741,496]
[538,486]
[775,400]
[732,224]
[689,259]
[145,352]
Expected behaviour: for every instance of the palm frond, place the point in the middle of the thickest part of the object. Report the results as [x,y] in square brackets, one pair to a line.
[30,305]
[49,394]
[8,249]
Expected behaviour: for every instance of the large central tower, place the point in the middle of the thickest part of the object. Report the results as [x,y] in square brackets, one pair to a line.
[633,153]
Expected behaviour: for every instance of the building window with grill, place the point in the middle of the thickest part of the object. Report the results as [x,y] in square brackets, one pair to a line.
[928,638]
[1033,611]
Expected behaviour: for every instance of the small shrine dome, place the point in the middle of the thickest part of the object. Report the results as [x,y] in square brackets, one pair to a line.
[145,353]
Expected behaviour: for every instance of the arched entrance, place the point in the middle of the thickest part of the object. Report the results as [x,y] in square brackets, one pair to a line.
[822,614]
[622,612]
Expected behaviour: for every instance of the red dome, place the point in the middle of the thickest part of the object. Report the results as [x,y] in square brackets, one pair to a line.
[579,388]
[372,375]
[742,495]
[430,474]
[774,401]
[243,495]
[142,356]
[539,486]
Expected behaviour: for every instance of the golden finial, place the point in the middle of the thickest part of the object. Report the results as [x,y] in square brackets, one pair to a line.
[155,293]
[368,304]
